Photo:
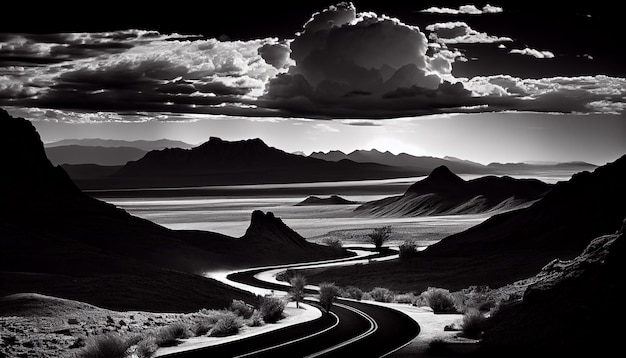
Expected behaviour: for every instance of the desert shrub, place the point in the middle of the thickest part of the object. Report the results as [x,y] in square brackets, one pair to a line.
[381,294]
[201,327]
[437,347]
[256,319]
[106,346]
[379,236]
[169,335]
[408,298]
[473,324]
[240,308]
[408,250]
[272,308]
[328,292]
[439,300]
[366,296]
[334,244]
[352,292]
[481,298]
[297,288]
[146,347]
[226,326]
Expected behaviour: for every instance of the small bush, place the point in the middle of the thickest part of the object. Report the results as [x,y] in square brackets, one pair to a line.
[242,309]
[169,336]
[297,283]
[407,298]
[146,347]
[366,296]
[105,346]
[201,327]
[256,319]
[408,250]
[272,309]
[352,292]
[328,292]
[381,294]
[473,324]
[439,300]
[334,244]
[226,326]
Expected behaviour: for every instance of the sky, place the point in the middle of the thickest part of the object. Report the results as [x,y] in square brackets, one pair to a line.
[479,81]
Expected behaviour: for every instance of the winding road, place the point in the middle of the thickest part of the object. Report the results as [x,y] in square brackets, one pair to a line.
[351,328]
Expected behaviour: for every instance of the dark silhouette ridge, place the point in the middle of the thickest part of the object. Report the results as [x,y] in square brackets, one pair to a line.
[331,200]
[443,192]
[49,228]
[220,162]
[510,246]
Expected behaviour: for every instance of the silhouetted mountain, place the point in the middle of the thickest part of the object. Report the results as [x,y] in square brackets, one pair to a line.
[219,162]
[402,160]
[510,246]
[331,200]
[145,145]
[80,154]
[444,193]
[562,303]
[50,230]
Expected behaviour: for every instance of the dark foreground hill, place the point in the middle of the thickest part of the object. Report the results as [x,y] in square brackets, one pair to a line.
[444,193]
[219,162]
[509,246]
[58,241]
[568,308]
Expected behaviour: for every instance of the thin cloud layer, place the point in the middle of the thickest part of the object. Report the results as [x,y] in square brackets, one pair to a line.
[464,9]
[459,32]
[342,64]
[532,52]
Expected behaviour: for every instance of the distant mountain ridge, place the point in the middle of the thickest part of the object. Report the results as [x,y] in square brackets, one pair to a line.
[457,165]
[445,193]
[80,154]
[145,145]
[220,162]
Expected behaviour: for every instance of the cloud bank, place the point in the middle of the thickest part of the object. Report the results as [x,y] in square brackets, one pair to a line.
[464,9]
[343,64]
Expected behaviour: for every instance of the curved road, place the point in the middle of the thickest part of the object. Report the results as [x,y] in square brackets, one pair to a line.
[351,328]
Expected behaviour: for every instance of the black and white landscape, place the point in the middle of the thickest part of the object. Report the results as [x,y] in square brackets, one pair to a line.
[275,179]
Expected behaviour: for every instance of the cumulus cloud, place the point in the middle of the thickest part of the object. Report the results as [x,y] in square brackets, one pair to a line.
[532,52]
[459,32]
[276,54]
[464,9]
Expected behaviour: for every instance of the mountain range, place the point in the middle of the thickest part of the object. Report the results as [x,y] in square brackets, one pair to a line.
[145,145]
[331,200]
[219,162]
[455,164]
[445,193]
[56,240]
[82,154]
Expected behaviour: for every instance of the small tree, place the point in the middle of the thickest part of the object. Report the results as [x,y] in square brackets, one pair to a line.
[379,236]
[328,292]
[297,288]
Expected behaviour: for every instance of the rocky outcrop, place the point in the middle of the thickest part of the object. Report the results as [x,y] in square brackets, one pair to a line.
[570,306]
[331,200]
